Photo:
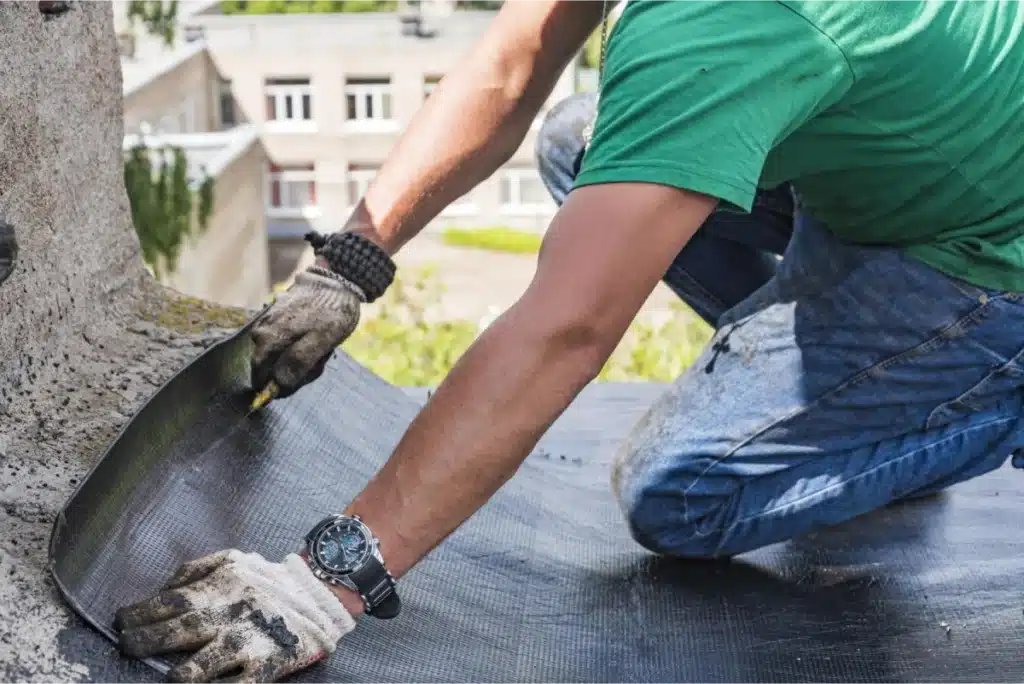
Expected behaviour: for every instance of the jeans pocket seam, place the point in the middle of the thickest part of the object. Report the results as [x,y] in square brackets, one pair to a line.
[964,398]
[954,330]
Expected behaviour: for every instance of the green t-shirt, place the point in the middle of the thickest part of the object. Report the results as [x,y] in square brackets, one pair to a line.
[898,123]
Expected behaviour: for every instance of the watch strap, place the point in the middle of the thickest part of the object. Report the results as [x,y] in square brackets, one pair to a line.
[377,589]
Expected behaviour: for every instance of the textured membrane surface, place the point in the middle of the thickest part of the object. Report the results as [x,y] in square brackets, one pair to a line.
[544,583]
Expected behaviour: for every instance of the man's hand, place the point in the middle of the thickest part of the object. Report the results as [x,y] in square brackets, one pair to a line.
[295,337]
[242,612]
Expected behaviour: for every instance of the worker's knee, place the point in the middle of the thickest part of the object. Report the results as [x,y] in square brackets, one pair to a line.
[561,141]
[669,505]
[667,523]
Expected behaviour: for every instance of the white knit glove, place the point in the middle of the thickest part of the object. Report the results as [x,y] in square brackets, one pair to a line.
[242,612]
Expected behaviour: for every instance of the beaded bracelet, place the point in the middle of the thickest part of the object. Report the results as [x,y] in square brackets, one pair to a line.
[356,259]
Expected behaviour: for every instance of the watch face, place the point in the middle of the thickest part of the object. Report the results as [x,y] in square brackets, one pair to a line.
[343,546]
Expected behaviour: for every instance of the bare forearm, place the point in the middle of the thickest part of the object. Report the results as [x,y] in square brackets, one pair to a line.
[467,129]
[604,253]
[491,416]
[475,119]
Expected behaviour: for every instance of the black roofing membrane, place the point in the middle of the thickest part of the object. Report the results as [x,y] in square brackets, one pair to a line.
[544,584]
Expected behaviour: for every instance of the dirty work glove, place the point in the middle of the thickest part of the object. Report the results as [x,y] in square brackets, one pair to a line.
[294,339]
[242,612]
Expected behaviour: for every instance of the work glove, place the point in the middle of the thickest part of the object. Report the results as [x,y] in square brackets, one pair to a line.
[296,336]
[241,612]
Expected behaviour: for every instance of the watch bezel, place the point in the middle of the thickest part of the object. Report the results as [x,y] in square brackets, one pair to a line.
[322,528]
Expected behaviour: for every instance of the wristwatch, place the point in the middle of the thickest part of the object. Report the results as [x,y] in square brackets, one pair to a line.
[342,551]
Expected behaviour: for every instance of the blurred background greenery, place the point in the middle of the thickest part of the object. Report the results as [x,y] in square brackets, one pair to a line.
[403,345]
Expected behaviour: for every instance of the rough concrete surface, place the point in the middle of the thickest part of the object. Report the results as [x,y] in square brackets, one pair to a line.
[85,335]
[49,439]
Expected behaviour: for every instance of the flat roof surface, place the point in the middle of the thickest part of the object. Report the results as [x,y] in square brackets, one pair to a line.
[543,584]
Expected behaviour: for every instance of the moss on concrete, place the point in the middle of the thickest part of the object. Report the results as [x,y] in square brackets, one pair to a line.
[189,315]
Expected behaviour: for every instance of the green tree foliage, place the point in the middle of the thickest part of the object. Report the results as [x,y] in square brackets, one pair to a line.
[305,6]
[333,6]
[164,210]
[328,6]
[159,17]
[479,4]
[156,16]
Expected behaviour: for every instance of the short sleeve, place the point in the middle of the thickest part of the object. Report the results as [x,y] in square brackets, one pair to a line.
[696,94]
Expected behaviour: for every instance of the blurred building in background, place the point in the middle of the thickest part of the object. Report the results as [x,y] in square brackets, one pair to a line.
[171,99]
[331,93]
[308,106]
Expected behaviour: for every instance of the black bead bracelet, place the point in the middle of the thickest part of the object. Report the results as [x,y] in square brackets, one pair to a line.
[356,259]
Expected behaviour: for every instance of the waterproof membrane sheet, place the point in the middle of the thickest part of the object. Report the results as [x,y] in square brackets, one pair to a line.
[543,584]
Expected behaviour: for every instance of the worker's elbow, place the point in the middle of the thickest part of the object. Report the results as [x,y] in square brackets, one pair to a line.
[580,344]
[576,334]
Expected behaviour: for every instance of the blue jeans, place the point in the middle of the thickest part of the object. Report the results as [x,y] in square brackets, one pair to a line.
[840,378]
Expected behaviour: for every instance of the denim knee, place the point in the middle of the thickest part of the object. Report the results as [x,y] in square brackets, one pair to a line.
[661,524]
[667,514]
[560,142]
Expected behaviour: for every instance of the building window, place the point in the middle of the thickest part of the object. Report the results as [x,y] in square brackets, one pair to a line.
[359,178]
[429,83]
[291,190]
[289,100]
[523,192]
[368,100]
[225,104]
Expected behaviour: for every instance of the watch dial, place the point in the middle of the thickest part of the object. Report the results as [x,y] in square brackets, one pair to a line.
[343,547]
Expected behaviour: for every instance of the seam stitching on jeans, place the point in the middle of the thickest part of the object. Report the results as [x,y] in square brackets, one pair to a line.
[965,396]
[928,345]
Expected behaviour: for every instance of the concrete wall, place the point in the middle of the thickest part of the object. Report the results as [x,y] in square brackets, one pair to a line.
[229,263]
[327,49]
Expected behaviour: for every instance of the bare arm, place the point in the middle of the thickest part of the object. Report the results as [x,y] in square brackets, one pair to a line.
[606,250]
[475,119]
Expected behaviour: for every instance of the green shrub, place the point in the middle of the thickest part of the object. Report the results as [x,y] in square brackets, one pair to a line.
[304,6]
[496,239]
[403,346]
[657,352]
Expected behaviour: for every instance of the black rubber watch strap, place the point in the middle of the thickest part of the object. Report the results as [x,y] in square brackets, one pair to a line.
[356,259]
[377,589]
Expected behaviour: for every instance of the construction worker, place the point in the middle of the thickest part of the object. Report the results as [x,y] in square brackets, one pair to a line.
[875,146]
